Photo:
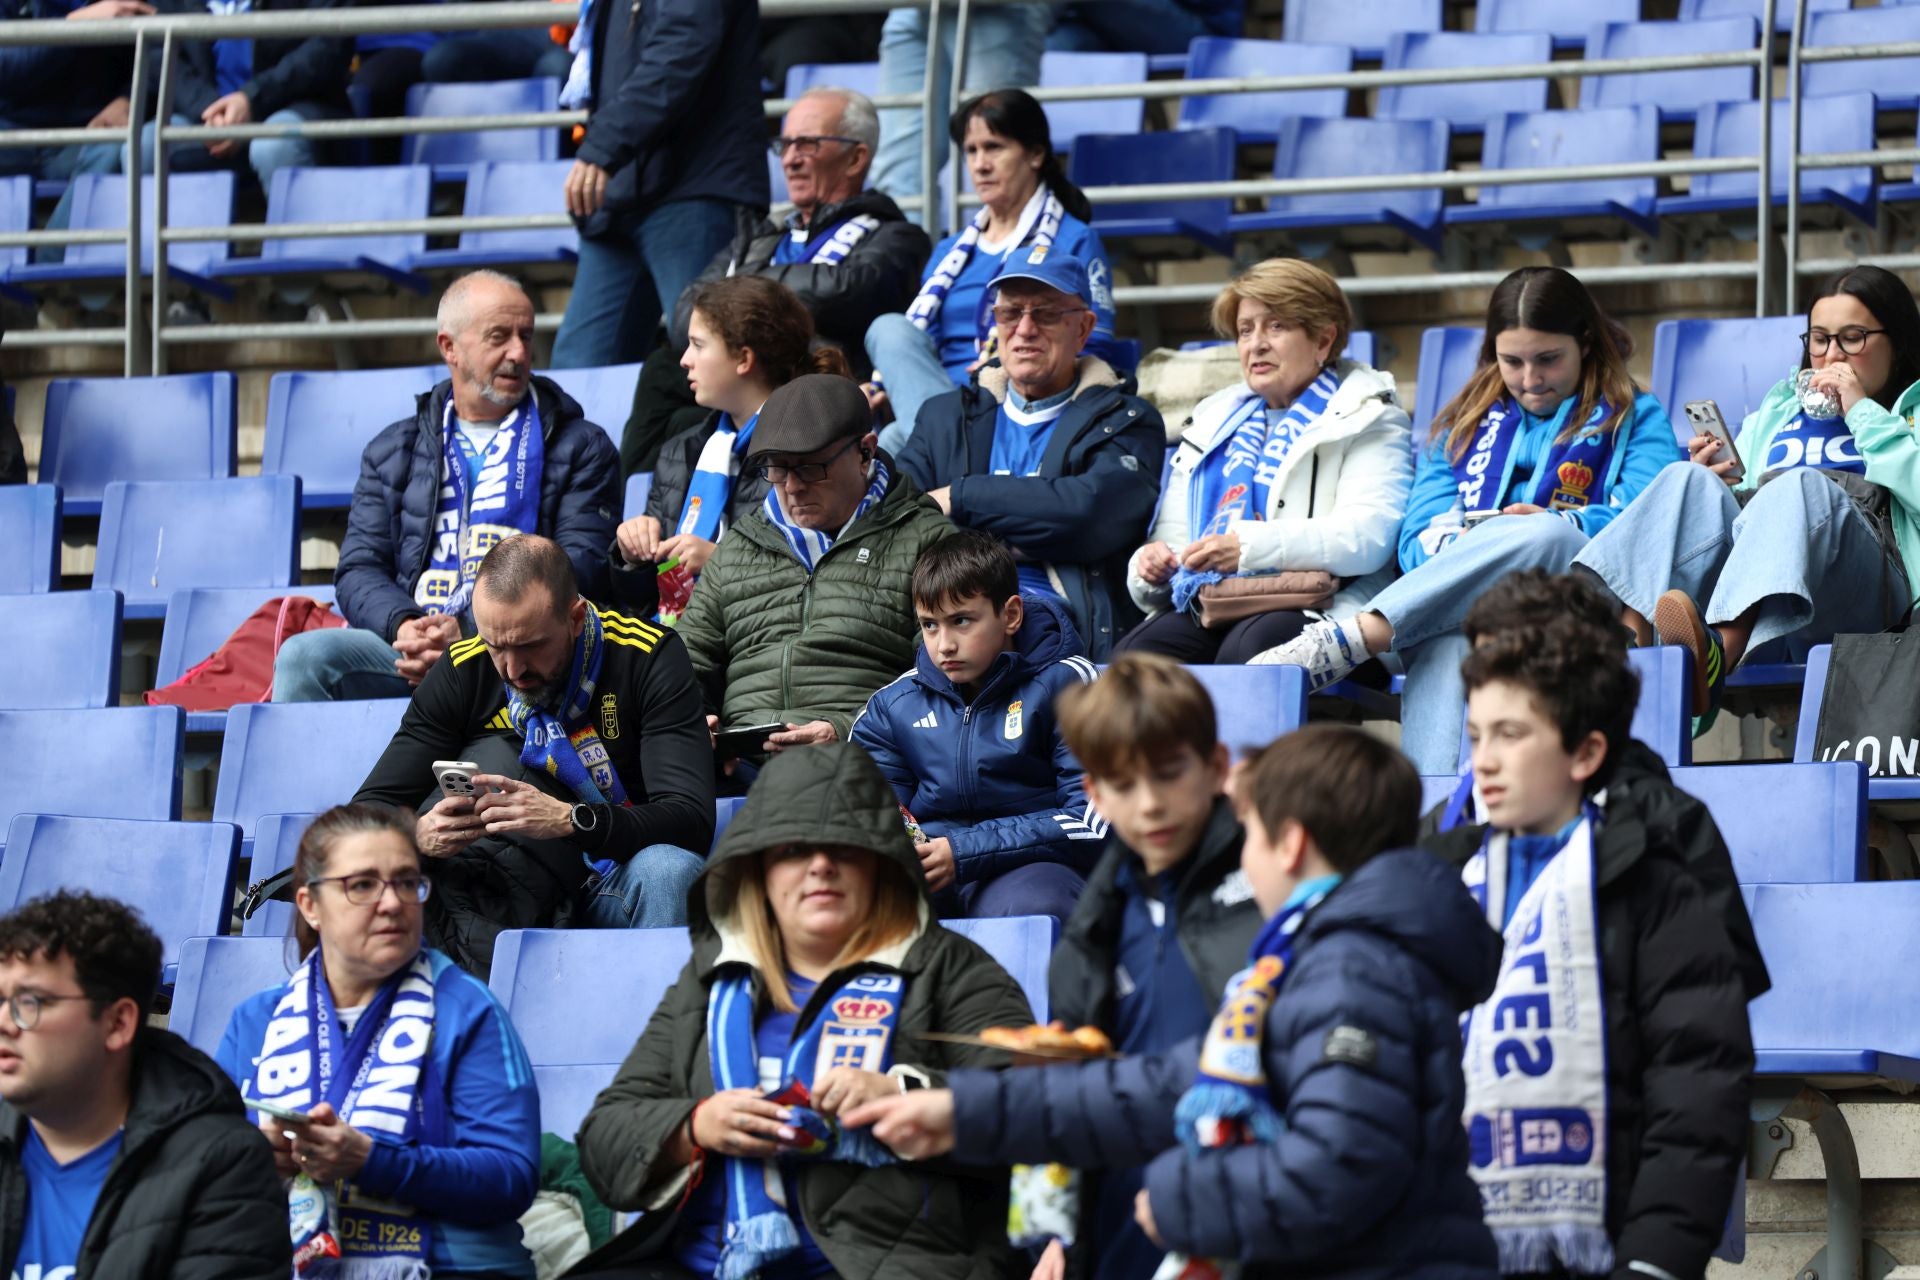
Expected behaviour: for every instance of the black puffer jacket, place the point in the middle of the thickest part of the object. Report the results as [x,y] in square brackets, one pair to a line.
[1680,964]
[905,1221]
[192,1195]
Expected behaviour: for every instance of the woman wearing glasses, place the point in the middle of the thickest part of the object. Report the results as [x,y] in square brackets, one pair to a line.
[1813,531]
[396,1095]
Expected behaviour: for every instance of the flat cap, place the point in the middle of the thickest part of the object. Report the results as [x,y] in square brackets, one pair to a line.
[811,413]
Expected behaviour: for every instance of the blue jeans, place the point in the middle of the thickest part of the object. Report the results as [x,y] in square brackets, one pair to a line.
[1133,26]
[1037,889]
[909,364]
[1427,606]
[494,55]
[647,891]
[266,156]
[1799,551]
[1003,50]
[626,277]
[311,666]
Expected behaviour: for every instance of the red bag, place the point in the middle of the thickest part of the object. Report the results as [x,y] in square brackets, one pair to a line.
[241,669]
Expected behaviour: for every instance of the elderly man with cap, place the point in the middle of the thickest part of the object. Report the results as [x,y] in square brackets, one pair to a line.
[806,609]
[1049,450]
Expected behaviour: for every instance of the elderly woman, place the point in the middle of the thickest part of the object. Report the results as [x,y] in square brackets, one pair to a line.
[1305,464]
[816,972]
[395,1093]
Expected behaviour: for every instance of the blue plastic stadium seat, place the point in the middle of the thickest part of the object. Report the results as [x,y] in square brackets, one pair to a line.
[1254,705]
[1448,358]
[1678,94]
[725,809]
[1068,120]
[299,757]
[1194,155]
[177,875]
[1255,116]
[639,486]
[218,974]
[451,154]
[98,430]
[861,77]
[1361,25]
[159,537]
[297,195]
[1361,347]
[276,839]
[319,422]
[1543,139]
[509,188]
[1466,106]
[63,650]
[1662,720]
[1567,21]
[1787,823]
[16,214]
[605,393]
[30,530]
[100,204]
[1894,81]
[199,620]
[1023,945]
[1309,148]
[1842,123]
[1734,362]
[1880,790]
[1700,10]
[136,750]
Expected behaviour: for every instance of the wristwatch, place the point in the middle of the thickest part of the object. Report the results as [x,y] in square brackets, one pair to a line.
[586,819]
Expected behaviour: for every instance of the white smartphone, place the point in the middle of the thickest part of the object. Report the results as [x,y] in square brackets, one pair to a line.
[1704,417]
[278,1112]
[1475,517]
[456,778]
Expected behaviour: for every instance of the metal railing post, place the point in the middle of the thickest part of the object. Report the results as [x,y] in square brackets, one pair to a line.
[950,192]
[929,105]
[1793,156]
[163,112]
[135,354]
[1763,301]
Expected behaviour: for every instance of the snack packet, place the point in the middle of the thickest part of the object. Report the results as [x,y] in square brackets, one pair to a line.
[310,1219]
[914,831]
[1043,1203]
[676,590]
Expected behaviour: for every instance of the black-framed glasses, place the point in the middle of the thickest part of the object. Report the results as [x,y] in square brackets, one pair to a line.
[1008,318]
[807,144]
[365,890]
[1852,340]
[25,1006]
[807,472]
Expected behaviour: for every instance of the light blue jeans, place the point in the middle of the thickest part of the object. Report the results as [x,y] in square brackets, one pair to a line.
[1004,44]
[1799,550]
[59,162]
[910,366]
[266,156]
[1427,606]
[626,277]
[647,891]
[310,666]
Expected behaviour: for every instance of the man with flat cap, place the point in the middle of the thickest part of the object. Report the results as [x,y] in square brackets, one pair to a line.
[806,608]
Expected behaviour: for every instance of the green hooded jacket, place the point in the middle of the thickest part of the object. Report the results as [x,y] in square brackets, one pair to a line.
[907,1221]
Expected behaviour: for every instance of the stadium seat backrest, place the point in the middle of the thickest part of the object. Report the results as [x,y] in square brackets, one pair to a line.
[178,875]
[1843,959]
[861,77]
[1841,123]
[1361,25]
[1896,81]
[1567,21]
[1661,719]
[30,530]
[276,839]
[1544,139]
[63,650]
[16,214]
[300,757]
[1674,92]
[725,809]
[1448,358]
[605,394]
[200,619]
[1470,104]
[1733,362]
[132,762]
[1787,823]
[1195,155]
[319,423]
[97,430]
[1254,705]
[1255,116]
[517,187]
[546,979]
[498,97]
[1068,120]
[216,976]
[1812,694]
[1701,10]
[1023,946]
[639,489]
[296,195]
[1309,148]
[157,538]
[1362,346]
[193,200]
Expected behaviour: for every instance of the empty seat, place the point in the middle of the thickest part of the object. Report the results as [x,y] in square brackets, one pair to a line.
[1787,823]
[1733,362]
[450,154]
[1255,116]
[159,537]
[1067,120]
[1843,123]
[1361,25]
[199,620]
[30,531]
[639,487]
[1310,148]
[215,976]
[1701,10]
[1894,81]
[1678,94]
[861,77]
[1467,106]
[1550,139]
[276,839]
[124,762]
[509,189]
[178,875]
[99,203]
[1880,790]
[98,430]
[1254,705]
[1195,155]
[297,195]
[604,393]
[63,650]
[1448,358]
[1567,21]
[319,422]
[299,757]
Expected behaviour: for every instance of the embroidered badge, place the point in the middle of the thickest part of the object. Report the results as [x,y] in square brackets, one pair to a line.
[1015,726]
[609,718]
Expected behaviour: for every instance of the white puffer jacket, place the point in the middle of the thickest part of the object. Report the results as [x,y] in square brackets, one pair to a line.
[1336,503]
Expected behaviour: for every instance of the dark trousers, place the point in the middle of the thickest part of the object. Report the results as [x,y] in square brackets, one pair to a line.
[1178,636]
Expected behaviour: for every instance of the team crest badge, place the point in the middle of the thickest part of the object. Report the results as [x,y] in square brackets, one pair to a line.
[609,718]
[859,1023]
[1015,721]
[1575,478]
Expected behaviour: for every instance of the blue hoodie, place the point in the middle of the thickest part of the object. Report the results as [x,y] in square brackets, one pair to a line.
[994,777]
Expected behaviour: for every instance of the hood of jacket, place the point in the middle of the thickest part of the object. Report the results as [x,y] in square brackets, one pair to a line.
[1046,636]
[556,406]
[1363,391]
[172,1083]
[1418,901]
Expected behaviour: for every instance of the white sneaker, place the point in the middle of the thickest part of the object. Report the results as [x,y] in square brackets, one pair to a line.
[1322,649]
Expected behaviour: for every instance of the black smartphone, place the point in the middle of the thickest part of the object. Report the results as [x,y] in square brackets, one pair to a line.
[744,739]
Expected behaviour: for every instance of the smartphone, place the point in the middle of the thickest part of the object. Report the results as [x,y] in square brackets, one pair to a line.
[277,1111]
[1473,518]
[744,740]
[456,778]
[1704,417]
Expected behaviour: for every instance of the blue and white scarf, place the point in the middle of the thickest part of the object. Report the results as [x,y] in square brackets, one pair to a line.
[567,745]
[577,92]
[808,545]
[373,1079]
[1574,474]
[833,249]
[504,500]
[1536,1066]
[1044,222]
[852,1028]
[1234,479]
[710,493]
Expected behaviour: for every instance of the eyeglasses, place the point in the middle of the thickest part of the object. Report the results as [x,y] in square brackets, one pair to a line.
[1008,318]
[806,472]
[25,1006]
[1852,341]
[364,891]
[807,144]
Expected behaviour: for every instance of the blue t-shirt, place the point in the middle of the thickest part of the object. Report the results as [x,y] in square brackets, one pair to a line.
[1527,857]
[60,1200]
[1824,443]
[1020,438]
[232,59]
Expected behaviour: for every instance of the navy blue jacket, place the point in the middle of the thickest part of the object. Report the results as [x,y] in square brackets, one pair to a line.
[676,107]
[994,777]
[390,525]
[1362,1055]
[58,86]
[1085,512]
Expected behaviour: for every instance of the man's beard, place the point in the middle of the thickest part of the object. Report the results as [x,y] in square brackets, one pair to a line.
[549,693]
[503,399]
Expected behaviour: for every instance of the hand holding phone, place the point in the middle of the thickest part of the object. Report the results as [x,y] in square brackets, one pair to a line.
[745,740]
[278,1112]
[1704,417]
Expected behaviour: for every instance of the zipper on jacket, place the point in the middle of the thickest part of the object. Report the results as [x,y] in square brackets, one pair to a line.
[786,652]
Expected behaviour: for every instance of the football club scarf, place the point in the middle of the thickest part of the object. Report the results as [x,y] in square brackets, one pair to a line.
[504,499]
[705,515]
[1536,1066]
[372,1078]
[566,745]
[1044,223]
[808,545]
[1233,481]
[577,92]
[1574,474]
[853,1028]
[833,249]
[1227,1104]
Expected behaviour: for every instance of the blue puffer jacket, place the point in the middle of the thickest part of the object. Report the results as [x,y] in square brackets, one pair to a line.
[995,778]
[390,525]
[1369,1178]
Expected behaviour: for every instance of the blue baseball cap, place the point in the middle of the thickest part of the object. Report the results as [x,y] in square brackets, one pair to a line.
[1048,266]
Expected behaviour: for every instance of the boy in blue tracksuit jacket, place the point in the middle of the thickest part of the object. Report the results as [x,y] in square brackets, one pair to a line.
[969,740]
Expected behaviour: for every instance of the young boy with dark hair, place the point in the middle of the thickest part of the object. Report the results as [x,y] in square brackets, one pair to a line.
[1316,1130]
[970,741]
[1608,1075]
